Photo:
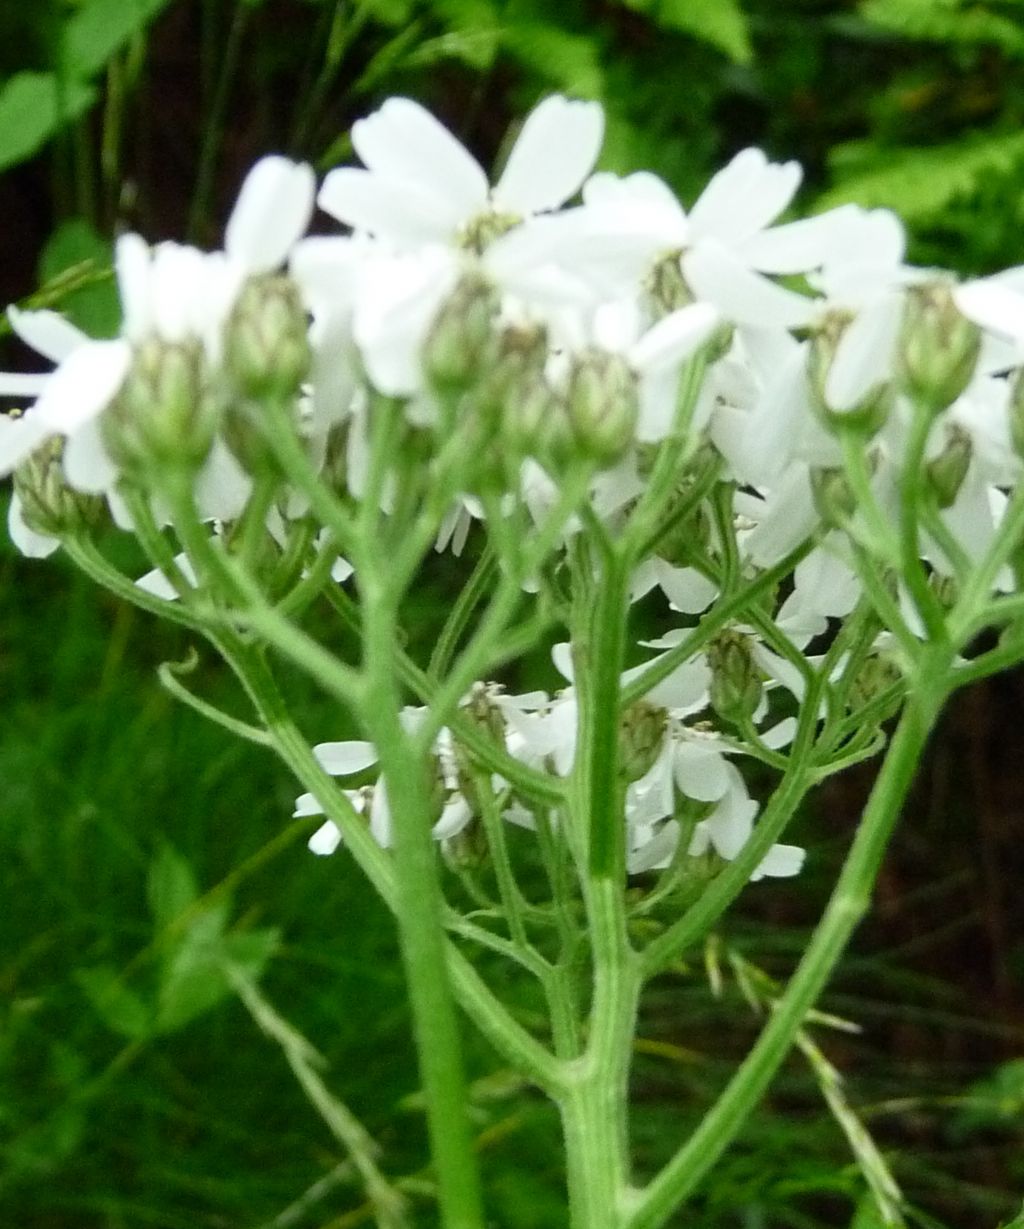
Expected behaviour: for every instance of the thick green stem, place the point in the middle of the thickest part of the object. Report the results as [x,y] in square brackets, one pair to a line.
[420,922]
[847,906]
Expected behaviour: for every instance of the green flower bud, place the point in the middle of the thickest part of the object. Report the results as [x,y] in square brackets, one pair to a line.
[939,347]
[641,734]
[467,850]
[946,472]
[868,416]
[165,415]
[878,673]
[514,367]
[536,424]
[604,404]
[460,339]
[945,588]
[833,496]
[736,685]
[266,346]
[665,288]
[48,505]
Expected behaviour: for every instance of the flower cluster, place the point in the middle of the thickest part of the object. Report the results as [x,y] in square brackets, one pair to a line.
[564,320]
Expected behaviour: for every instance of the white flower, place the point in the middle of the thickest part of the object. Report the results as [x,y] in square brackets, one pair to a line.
[172,293]
[420,184]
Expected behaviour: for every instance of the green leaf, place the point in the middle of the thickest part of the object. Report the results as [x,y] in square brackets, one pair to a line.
[945,21]
[194,979]
[94,306]
[33,106]
[921,183]
[120,1009]
[718,22]
[100,28]
[171,886]
[1017,1222]
[191,980]
[569,60]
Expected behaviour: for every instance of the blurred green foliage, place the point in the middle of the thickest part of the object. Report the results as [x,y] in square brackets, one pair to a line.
[143,855]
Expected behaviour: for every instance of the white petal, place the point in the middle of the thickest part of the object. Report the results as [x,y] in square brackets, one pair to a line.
[799,246]
[340,759]
[781,862]
[745,196]
[864,356]
[222,486]
[701,772]
[391,208]
[657,852]
[326,839]
[674,338]
[455,816]
[272,211]
[403,141]
[19,385]
[741,295]
[561,655]
[87,466]
[47,332]
[993,305]
[177,275]
[554,153]
[686,688]
[133,263]
[687,589]
[156,582]
[30,542]
[83,385]
[19,438]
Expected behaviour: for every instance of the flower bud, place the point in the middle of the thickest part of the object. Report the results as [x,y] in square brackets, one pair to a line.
[515,365]
[736,685]
[165,415]
[467,850]
[266,346]
[945,473]
[878,673]
[665,288]
[868,414]
[535,423]
[945,588]
[459,342]
[833,496]
[939,347]
[604,404]
[48,505]
[641,734]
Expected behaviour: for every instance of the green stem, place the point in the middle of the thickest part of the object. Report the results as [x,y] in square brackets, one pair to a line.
[419,910]
[847,906]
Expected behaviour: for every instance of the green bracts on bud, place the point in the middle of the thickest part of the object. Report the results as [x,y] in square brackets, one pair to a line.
[876,676]
[459,343]
[266,346]
[945,473]
[736,685]
[833,496]
[939,347]
[665,288]
[604,404]
[641,734]
[165,415]
[48,505]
